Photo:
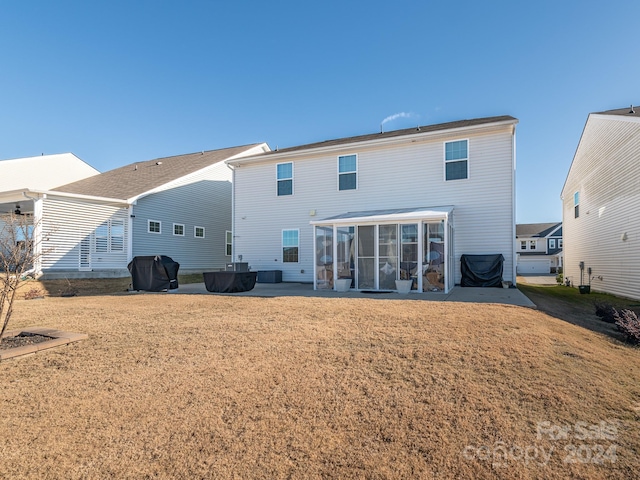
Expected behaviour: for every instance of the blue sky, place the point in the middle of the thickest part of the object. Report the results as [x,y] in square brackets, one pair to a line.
[117,82]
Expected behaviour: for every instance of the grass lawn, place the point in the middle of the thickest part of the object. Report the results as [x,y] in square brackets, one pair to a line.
[204,386]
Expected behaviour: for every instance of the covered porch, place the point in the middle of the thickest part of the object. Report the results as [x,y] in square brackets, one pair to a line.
[404,250]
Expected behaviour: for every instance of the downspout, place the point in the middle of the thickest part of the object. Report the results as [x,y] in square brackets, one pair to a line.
[513,201]
[130,234]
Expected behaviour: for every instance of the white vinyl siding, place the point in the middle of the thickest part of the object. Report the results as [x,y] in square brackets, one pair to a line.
[606,236]
[483,204]
[67,224]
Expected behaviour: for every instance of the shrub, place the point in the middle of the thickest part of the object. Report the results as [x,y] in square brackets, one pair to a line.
[606,312]
[33,293]
[628,323]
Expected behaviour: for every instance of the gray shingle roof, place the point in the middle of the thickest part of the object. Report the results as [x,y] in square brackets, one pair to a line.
[395,133]
[137,178]
[625,112]
[536,229]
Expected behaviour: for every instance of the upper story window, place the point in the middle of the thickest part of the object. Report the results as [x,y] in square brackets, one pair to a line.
[228,243]
[290,245]
[523,244]
[153,226]
[198,232]
[552,243]
[532,244]
[178,229]
[576,205]
[559,243]
[456,160]
[347,172]
[284,173]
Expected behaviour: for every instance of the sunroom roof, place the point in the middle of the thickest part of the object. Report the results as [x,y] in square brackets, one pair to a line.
[390,215]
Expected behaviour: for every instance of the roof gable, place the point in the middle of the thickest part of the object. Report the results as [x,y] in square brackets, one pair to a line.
[138,178]
[537,229]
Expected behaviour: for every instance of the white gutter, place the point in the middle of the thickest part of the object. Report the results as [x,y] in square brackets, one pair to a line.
[23,193]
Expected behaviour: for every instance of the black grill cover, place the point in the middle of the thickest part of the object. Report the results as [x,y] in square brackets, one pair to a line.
[153,273]
[481,270]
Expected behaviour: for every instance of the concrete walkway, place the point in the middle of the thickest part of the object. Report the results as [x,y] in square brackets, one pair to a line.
[508,296]
[537,279]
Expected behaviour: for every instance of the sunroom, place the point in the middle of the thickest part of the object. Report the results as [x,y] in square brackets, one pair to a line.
[385,250]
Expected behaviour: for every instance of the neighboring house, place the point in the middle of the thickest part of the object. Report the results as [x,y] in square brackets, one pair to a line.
[601,201]
[43,172]
[176,206]
[380,207]
[538,248]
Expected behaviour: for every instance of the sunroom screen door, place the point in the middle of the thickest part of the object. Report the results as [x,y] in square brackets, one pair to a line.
[366,257]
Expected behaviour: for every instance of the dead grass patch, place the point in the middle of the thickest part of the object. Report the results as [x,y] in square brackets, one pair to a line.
[187,386]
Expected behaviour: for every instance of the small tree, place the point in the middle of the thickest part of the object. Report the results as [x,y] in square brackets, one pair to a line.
[19,253]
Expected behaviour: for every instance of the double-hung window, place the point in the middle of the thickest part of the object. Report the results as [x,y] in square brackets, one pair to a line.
[576,205]
[347,172]
[153,226]
[228,243]
[456,160]
[523,244]
[284,174]
[290,246]
[532,244]
[552,243]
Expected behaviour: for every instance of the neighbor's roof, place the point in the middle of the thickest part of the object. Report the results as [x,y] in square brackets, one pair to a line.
[420,130]
[137,178]
[537,229]
[43,172]
[630,111]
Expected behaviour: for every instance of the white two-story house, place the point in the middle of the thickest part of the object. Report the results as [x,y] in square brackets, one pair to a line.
[377,208]
[600,200]
[539,247]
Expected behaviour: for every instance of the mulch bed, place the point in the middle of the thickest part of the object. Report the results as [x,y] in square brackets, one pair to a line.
[22,339]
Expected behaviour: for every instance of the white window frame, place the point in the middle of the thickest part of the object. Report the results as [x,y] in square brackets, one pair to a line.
[282,245]
[559,243]
[532,244]
[228,245]
[444,156]
[552,243]
[278,180]
[349,172]
[195,232]
[159,232]
[576,205]
[523,244]
[174,229]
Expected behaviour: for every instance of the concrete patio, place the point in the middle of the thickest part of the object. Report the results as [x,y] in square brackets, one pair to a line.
[508,296]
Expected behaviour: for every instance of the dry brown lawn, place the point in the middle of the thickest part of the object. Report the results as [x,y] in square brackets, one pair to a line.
[189,386]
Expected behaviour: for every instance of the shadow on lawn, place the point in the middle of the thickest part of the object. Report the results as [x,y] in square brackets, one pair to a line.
[568,304]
